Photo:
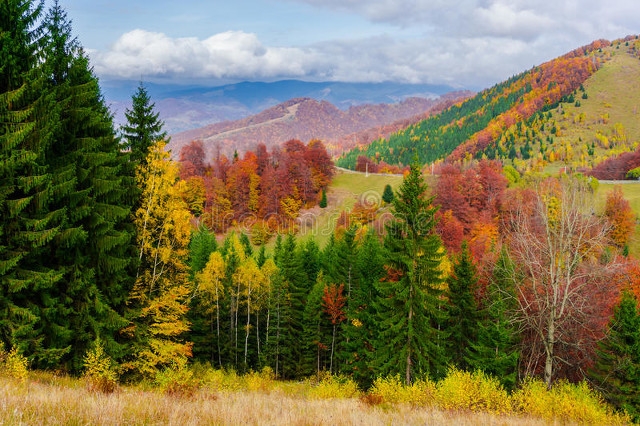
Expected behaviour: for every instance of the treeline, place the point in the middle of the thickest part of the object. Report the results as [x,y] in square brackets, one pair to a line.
[469,127]
[265,190]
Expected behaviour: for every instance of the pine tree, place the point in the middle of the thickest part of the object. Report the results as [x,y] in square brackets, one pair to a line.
[409,312]
[144,127]
[496,349]
[617,371]
[462,308]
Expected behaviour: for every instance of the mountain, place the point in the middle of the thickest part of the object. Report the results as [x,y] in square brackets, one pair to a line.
[306,119]
[572,112]
[189,107]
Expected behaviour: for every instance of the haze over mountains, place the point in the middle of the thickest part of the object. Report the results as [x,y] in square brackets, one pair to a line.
[189,107]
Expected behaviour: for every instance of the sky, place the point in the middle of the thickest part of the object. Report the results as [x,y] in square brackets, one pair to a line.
[470,44]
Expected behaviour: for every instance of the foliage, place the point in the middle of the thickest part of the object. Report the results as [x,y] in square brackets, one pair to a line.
[564,402]
[158,300]
[387,194]
[144,127]
[562,282]
[177,380]
[621,216]
[391,390]
[477,392]
[14,364]
[99,370]
[409,313]
[616,371]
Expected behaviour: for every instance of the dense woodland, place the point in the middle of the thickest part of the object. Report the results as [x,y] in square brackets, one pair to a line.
[107,243]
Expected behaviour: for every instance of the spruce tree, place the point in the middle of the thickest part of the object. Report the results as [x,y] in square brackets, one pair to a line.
[93,247]
[143,127]
[616,373]
[27,225]
[496,349]
[360,328]
[409,309]
[462,329]
[387,194]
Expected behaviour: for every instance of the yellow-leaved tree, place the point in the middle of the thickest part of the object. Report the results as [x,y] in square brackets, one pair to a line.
[158,302]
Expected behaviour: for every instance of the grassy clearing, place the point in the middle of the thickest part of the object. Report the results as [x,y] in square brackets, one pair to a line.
[228,399]
[345,190]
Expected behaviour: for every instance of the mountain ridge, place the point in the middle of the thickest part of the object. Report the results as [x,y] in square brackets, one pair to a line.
[306,119]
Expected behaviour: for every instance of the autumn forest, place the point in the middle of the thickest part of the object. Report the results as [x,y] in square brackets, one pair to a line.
[121,261]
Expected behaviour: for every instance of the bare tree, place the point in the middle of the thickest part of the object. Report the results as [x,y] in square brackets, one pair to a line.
[558,244]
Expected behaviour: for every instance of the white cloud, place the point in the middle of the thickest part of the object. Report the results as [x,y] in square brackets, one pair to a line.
[474,43]
[232,54]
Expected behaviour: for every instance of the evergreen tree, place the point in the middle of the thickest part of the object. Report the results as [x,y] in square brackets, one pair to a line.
[27,225]
[496,349]
[93,247]
[617,371]
[144,127]
[316,336]
[360,328]
[387,194]
[323,200]
[462,308]
[295,279]
[408,308]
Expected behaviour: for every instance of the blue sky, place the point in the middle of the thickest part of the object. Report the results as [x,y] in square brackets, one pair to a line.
[468,44]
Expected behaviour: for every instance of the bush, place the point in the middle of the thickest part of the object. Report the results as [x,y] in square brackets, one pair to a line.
[177,380]
[333,387]
[633,173]
[14,364]
[462,390]
[99,370]
[565,402]
[392,390]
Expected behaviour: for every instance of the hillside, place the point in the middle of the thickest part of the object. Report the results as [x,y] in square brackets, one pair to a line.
[573,111]
[306,119]
[190,107]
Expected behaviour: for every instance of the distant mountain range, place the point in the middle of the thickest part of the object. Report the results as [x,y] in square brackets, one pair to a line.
[305,119]
[189,107]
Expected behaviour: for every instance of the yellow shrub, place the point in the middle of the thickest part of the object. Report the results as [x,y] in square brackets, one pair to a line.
[462,390]
[393,390]
[99,371]
[565,402]
[178,380]
[333,387]
[262,381]
[14,364]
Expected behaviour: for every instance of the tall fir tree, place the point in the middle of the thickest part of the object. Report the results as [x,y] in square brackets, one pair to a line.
[27,225]
[496,349]
[360,327]
[409,309]
[462,309]
[93,246]
[616,373]
[144,127]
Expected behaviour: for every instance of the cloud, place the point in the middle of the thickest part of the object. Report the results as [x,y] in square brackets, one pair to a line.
[231,54]
[234,55]
[475,44]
